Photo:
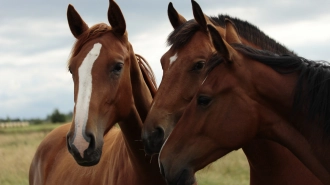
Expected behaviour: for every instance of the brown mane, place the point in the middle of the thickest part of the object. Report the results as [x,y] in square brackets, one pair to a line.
[147,73]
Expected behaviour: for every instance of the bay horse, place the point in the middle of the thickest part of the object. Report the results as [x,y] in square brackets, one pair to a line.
[183,72]
[252,94]
[111,85]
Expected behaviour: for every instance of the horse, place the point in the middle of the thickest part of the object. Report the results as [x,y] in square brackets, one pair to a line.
[252,94]
[112,85]
[183,66]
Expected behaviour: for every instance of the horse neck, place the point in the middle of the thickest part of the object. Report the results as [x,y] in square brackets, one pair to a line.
[278,123]
[268,162]
[132,126]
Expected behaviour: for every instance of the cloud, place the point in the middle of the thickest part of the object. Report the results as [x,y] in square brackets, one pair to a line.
[36,41]
[151,44]
[33,66]
[33,79]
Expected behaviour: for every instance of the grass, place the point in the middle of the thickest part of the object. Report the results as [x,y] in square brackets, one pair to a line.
[17,148]
[18,145]
[46,127]
[232,169]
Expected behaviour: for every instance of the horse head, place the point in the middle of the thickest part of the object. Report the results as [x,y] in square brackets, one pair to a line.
[100,68]
[183,72]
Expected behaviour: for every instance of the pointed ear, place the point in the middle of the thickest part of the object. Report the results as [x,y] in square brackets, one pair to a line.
[199,16]
[116,19]
[175,18]
[76,23]
[223,48]
[231,32]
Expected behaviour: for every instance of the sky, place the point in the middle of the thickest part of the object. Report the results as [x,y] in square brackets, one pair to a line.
[35,40]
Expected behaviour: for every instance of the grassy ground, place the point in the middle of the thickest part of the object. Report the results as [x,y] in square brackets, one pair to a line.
[232,169]
[17,147]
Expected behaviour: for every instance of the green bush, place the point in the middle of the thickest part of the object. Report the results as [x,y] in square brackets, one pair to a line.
[57,117]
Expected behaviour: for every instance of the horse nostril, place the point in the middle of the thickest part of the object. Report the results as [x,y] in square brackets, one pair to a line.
[91,139]
[68,143]
[92,144]
[155,140]
[158,135]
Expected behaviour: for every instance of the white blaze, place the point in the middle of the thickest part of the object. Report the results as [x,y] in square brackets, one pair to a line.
[173,58]
[83,98]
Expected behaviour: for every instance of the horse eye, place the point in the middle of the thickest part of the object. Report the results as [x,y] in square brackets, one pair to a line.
[118,67]
[203,100]
[198,66]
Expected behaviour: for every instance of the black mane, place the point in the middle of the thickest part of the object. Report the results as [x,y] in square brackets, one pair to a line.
[183,34]
[312,91]
[253,34]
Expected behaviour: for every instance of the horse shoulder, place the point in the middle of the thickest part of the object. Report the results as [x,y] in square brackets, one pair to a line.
[116,158]
[53,164]
[46,153]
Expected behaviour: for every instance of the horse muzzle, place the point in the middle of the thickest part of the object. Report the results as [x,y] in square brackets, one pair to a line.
[153,140]
[86,154]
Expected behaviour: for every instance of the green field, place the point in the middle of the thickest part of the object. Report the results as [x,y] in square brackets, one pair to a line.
[17,147]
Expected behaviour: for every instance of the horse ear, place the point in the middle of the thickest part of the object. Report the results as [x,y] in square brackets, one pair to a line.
[175,18]
[116,19]
[231,32]
[199,16]
[223,48]
[76,23]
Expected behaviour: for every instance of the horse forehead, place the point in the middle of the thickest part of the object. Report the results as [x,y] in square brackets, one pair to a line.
[110,42]
[199,46]
[111,52]
[200,40]
[175,56]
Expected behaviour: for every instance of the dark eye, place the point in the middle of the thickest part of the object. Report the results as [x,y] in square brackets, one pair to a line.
[203,100]
[69,69]
[198,66]
[118,67]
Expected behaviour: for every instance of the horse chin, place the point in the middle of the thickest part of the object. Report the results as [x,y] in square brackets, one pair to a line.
[186,177]
[88,163]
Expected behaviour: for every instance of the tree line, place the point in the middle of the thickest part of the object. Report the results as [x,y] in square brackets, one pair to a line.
[55,117]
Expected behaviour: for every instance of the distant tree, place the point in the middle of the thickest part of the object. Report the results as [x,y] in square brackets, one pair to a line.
[15,120]
[57,117]
[68,116]
[8,119]
[35,121]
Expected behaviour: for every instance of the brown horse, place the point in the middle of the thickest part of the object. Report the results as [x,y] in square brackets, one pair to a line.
[183,73]
[111,84]
[252,94]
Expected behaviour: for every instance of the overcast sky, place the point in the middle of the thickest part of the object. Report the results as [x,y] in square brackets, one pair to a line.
[36,40]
